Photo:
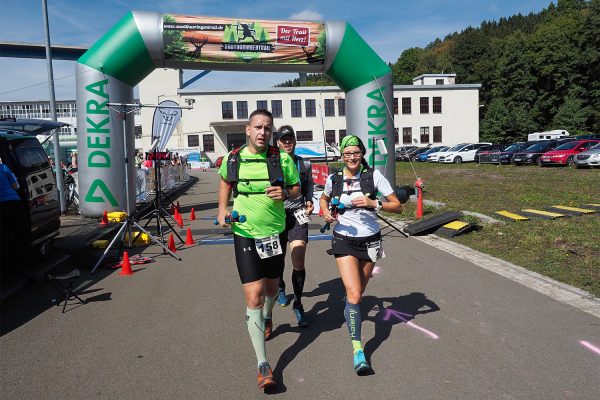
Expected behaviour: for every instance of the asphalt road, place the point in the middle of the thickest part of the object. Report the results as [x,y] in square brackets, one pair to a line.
[437,327]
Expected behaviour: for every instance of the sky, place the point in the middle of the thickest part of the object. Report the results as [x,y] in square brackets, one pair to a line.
[388,26]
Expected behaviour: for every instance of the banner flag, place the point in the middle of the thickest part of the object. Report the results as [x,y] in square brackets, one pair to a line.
[164,122]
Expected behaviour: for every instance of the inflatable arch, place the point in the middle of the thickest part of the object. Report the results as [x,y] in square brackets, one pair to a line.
[143,41]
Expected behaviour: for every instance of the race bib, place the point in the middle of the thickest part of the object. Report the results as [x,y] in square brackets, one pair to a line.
[301,216]
[268,247]
[375,250]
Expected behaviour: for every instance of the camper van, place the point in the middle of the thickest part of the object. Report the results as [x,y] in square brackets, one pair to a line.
[555,134]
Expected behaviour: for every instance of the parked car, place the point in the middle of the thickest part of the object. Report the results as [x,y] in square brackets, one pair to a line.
[486,150]
[531,155]
[436,156]
[28,161]
[505,156]
[401,152]
[566,152]
[588,158]
[423,156]
[463,154]
[407,155]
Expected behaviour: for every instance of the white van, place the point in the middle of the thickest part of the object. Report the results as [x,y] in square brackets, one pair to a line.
[317,151]
[555,134]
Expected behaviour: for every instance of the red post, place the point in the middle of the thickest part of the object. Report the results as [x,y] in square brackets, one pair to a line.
[419,186]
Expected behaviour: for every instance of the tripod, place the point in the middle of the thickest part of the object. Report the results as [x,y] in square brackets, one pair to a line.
[130,221]
[158,212]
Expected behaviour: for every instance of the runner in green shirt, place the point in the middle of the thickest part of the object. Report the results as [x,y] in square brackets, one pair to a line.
[259,242]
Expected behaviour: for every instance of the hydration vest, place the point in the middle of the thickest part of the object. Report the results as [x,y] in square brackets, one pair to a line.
[303,171]
[274,170]
[367,184]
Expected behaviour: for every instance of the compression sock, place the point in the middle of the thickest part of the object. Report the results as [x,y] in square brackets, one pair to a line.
[353,321]
[256,323]
[298,277]
[268,306]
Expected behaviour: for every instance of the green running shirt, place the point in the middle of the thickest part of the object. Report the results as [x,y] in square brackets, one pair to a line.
[264,216]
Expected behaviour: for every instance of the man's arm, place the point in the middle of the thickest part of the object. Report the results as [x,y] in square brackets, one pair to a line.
[224,196]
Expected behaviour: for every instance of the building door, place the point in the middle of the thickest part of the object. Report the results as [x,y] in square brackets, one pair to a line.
[235,140]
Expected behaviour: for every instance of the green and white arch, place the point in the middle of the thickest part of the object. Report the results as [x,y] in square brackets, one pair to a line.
[135,46]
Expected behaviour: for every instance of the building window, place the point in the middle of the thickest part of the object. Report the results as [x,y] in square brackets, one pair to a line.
[342,134]
[261,105]
[330,136]
[395,105]
[396,136]
[341,107]
[406,135]
[296,108]
[424,102]
[137,131]
[437,105]
[242,110]
[437,134]
[227,109]
[424,134]
[406,108]
[193,140]
[311,110]
[329,107]
[276,108]
[439,81]
[208,142]
[304,136]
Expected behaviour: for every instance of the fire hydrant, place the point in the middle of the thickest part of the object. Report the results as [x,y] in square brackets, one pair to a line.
[419,186]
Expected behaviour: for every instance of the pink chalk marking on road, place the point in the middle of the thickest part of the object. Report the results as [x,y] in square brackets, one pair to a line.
[376,270]
[400,315]
[590,346]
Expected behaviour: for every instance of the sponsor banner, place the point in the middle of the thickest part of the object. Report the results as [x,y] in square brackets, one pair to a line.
[164,122]
[226,40]
[320,173]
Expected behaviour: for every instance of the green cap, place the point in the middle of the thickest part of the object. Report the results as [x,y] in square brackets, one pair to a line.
[351,140]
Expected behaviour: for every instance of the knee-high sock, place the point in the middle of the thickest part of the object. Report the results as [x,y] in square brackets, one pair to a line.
[353,322]
[281,282]
[298,277]
[268,306]
[256,329]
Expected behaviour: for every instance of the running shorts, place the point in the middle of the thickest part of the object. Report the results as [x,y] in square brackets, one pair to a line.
[294,230]
[251,267]
[352,246]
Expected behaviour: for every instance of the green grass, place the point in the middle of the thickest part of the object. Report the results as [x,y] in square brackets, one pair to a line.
[566,249]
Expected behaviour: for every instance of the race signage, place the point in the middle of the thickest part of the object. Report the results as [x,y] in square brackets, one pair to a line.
[158,155]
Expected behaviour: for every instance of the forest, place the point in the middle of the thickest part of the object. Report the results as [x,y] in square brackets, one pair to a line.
[537,72]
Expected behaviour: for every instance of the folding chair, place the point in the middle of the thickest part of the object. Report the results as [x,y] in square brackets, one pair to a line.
[64,285]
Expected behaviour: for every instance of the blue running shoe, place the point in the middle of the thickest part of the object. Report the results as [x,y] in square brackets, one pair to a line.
[282,298]
[299,312]
[360,362]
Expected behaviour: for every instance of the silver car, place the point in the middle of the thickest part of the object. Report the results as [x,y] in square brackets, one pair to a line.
[588,158]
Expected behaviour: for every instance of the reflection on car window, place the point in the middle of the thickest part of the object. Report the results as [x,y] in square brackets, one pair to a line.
[567,146]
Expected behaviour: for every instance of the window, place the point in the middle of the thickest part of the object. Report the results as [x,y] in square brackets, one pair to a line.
[208,142]
[395,105]
[193,140]
[304,136]
[342,134]
[137,131]
[341,107]
[439,81]
[227,109]
[406,135]
[330,136]
[424,134]
[276,108]
[424,102]
[396,136]
[406,108]
[261,105]
[437,105]
[309,104]
[329,107]
[242,110]
[437,134]
[296,108]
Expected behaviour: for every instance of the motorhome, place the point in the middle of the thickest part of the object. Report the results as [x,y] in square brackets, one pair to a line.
[555,134]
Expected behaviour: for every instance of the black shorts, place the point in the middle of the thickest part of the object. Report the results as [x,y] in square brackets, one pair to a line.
[249,264]
[293,229]
[350,246]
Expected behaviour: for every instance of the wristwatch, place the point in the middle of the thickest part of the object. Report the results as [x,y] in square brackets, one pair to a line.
[379,205]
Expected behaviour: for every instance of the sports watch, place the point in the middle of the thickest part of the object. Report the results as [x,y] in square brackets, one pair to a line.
[379,205]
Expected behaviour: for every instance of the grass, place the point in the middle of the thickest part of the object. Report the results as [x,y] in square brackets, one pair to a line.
[566,249]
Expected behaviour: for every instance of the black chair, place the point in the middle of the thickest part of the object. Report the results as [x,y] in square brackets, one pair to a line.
[64,285]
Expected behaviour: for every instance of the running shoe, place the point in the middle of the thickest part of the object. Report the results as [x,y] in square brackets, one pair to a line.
[299,312]
[268,327]
[360,362]
[265,376]
[282,298]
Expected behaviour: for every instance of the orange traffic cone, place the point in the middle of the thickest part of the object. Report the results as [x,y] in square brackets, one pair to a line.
[178,208]
[104,219]
[189,240]
[179,219]
[172,244]
[192,215]
[125,265]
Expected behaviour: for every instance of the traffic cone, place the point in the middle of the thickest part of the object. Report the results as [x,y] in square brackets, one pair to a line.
[104,219]
[177,207]
[179,219]
[172,244]
[189,240]
[125,265]
[192,215]
[173,210]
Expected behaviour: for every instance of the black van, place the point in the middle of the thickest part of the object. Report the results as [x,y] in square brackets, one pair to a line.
[28,161]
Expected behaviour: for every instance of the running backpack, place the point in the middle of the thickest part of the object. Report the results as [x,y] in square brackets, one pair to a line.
[367,184]
[274,169]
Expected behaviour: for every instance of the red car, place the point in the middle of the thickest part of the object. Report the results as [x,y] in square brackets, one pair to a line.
[565,153]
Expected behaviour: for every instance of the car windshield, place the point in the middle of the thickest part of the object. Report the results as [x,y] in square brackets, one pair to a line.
[538,147]
[596,146]
[513,147]
[457,147]
[567,146]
